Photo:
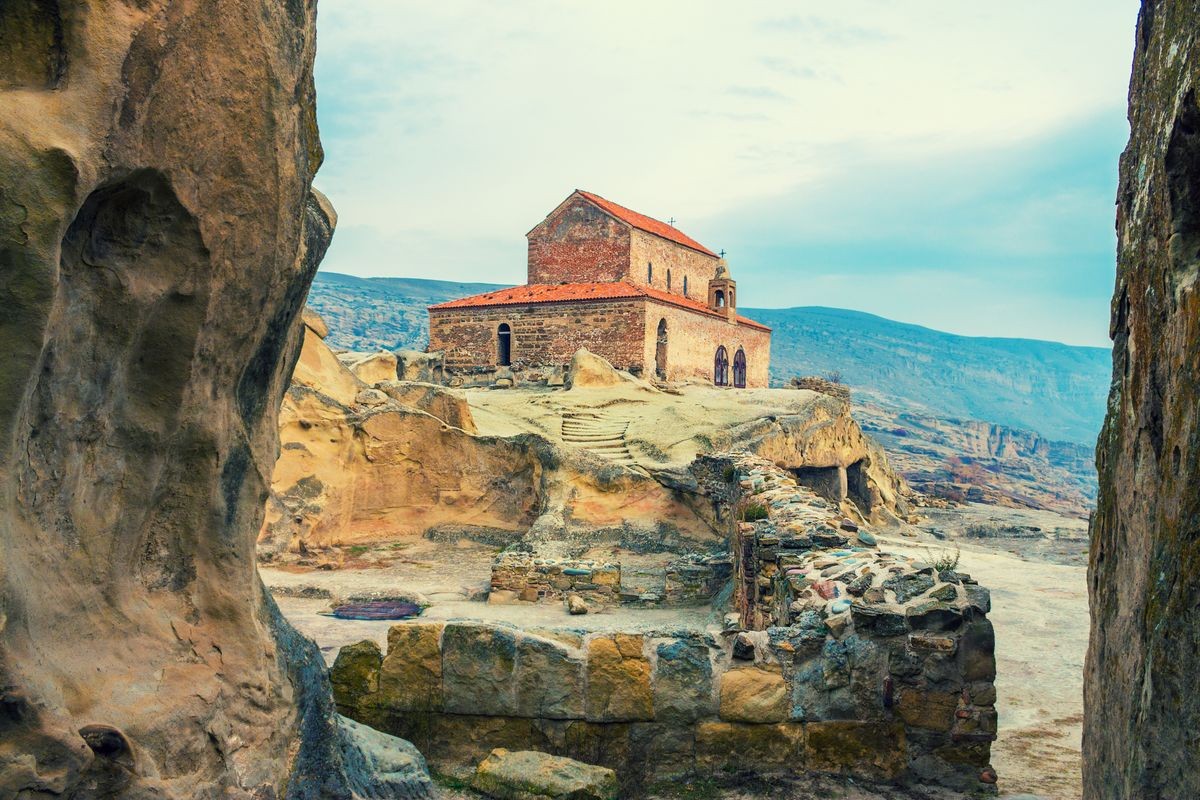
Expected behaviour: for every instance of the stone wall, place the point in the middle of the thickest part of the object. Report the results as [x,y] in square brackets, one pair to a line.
[692,340]
[530,578]
[578,243]
[542,335]
[646,248]
[836,658]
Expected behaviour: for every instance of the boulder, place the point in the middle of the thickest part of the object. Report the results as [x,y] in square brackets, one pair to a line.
[414,365]
[315,323]
[529,775]
[371,368]
[590,371]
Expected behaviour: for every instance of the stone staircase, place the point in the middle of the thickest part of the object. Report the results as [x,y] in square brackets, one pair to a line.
[601,434]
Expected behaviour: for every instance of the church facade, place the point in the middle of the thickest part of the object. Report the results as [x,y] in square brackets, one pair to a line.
[632,289]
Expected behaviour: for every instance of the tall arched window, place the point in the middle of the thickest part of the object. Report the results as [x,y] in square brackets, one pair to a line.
[650,272]
[685,285]
[739,369]
[721,367]
[668,279]
[660,351]
[720,298]
[504,345]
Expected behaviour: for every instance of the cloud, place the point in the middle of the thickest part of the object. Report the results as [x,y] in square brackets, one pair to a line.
[451,129]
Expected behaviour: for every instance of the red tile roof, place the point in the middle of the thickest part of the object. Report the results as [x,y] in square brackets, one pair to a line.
[533,294]
[644,223]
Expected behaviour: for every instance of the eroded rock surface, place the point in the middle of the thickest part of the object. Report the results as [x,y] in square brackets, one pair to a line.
[158,234]
[1141,711]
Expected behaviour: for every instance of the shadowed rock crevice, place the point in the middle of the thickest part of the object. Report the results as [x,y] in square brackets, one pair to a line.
[32,55]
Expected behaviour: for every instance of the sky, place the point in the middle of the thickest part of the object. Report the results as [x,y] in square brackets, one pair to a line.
[950,164]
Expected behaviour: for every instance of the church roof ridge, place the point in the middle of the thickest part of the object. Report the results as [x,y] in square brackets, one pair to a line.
[645,223]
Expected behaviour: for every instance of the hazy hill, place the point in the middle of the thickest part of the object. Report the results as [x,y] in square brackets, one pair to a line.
[1056,390]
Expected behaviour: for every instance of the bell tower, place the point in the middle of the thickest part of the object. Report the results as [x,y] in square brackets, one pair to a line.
[722,292]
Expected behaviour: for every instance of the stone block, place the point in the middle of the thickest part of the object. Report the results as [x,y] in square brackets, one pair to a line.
[739,746]
[549,679]
[877,749]
[927,709]
[751,694]
[683,689]
[524,775]
[355,674]
[618,680]
[411,676]
[478,662]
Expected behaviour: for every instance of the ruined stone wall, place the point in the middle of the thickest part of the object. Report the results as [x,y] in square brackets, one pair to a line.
[546,335]
[646,248]
[692,340]
[1141,711]
[578,243]
[842,659]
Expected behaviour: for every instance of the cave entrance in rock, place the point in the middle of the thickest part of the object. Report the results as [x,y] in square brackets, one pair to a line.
[660,351]
[829,482]
[858,487]
[504,345]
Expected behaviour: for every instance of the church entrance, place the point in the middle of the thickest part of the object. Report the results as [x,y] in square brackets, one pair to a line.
[721,367]
[660,351]
[739,369]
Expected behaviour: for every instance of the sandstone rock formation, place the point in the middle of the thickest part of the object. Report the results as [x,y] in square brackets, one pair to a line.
[1141,709]
[158,234]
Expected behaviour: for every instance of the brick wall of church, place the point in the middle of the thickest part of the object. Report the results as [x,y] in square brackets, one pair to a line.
[542,335]
[666,256]
[579,243]
[692,341]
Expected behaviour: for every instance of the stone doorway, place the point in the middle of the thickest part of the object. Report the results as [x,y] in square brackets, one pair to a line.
[660,351]
[504,345]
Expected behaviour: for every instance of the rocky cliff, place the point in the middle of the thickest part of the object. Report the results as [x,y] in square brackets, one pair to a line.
[1141,711]
[158,234]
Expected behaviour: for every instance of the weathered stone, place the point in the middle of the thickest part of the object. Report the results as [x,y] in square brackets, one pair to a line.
[927,709]
[528,775]
[411,675]
[908,586]
[878,621]
[478,663]
[618,685]
[737,746]
[752,694]
[861,748]
[355,673]
[977,651]
[683,680]
[743,647]
[549,679]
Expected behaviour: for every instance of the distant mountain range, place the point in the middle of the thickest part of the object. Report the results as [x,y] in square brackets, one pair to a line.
[1057,390]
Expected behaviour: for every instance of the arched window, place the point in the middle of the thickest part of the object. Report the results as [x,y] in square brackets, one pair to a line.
[668,279]
[660,351]
[504,345]
[732,299]
[685,285]
[739,369]
[650,272]
[721,367]
[720,298]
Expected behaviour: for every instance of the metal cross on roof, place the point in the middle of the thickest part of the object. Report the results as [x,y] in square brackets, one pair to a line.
[722,252]
[671,222]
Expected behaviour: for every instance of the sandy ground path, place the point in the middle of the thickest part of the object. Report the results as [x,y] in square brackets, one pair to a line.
[1040,613]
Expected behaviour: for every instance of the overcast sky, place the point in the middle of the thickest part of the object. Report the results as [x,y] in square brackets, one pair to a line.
[951,164]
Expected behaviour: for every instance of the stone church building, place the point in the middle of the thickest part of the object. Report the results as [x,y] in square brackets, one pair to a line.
[640,293]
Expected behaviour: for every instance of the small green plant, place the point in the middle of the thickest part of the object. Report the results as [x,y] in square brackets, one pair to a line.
[753,512]
[945,560]
[358,550]
[729,474]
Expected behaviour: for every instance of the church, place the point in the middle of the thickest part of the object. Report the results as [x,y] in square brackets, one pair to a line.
[634,290]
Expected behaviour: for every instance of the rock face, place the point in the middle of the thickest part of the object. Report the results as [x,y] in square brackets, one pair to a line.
[1141,710]
[158,234]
